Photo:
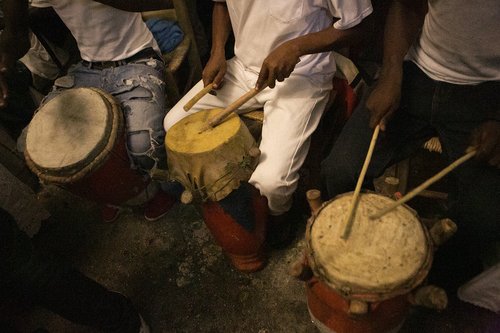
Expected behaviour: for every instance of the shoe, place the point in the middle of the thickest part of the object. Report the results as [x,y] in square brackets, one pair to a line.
[158,206]
[110,213]
[144,326]
[280,232]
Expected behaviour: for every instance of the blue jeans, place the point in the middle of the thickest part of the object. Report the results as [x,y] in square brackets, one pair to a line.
[428,108]
[140,89]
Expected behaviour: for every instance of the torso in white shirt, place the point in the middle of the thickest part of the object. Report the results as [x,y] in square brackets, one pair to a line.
[103,33]
[260,26]
[460,41]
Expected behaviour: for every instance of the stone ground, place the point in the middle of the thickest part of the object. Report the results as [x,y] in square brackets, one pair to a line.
[181,282]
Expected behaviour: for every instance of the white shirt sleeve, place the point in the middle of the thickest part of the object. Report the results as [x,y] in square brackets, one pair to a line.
[349,12]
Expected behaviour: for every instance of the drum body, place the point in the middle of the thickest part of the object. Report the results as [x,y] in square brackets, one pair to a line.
[361,284]
[214,165]
[77,140]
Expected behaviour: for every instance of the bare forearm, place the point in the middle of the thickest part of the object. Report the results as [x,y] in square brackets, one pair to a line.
[403,25]
[137,5]
[331,39]
[221,28]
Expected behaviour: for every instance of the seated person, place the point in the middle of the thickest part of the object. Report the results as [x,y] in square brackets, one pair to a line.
[282,41]
[440,76]
[121,57]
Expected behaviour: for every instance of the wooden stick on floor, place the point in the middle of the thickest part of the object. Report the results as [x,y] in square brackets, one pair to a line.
[361,178]
[198,96]
[424,185]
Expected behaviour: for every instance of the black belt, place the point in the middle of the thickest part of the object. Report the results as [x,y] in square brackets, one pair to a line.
[144,54]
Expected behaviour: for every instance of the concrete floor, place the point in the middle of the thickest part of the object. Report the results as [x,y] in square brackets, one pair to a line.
[181,282]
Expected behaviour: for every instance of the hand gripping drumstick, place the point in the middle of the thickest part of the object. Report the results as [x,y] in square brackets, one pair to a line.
[198,96]
[424,185]
[361,178]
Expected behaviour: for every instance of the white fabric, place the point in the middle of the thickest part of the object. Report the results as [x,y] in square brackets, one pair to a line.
[103,33]
[483,290]
[460,41]
[260,26]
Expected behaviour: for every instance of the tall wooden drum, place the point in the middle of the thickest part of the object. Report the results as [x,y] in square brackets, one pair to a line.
[77,140]
[213,163]
[361,283]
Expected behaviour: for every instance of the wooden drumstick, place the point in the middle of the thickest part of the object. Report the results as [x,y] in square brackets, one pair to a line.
[424,185]
[217,119]
[361,178]
[198,96]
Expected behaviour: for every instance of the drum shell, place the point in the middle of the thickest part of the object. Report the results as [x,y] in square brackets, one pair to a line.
[330,312]
[107,178]
[245,248]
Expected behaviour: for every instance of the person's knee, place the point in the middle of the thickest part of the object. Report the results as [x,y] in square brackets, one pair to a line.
[141,149]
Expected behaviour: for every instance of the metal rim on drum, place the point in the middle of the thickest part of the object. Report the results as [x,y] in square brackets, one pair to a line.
[363,267]
[50,162]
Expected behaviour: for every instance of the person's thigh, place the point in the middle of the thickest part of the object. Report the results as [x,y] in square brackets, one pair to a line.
[292,112]
[474,205]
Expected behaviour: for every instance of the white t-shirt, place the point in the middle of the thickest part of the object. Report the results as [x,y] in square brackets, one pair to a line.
[260,26]
[460,41]
[103,33]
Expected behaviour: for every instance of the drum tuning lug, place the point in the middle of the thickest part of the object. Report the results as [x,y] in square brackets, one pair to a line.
[187,197]
[358,308]
[314,200]
[301,270]
[430,296]
[442,230]
[254,152]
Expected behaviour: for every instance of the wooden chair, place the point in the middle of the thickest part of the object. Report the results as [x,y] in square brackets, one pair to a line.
[183,64]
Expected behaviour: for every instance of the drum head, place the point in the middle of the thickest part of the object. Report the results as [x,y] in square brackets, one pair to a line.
[69,131]
[382,256]
[191,136]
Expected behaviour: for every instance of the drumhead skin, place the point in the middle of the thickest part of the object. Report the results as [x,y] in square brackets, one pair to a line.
[190,134]
[69,131]
[387,256]
[210,162]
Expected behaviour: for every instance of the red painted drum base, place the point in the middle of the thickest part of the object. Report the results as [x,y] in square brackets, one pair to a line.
[332,312]
[243,244]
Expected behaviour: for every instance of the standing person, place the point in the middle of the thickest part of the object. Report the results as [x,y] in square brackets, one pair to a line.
[440,76]
[288,42]
[120,56]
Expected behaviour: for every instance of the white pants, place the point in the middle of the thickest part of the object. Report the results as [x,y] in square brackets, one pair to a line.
[292,111]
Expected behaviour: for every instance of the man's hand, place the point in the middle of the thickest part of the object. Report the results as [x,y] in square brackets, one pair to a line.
[214,70]
[385,97]
[486,141]
[278,65]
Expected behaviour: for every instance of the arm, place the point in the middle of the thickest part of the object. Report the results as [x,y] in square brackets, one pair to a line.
[404,21]
[221,28]
[137,5]
[280,63]
[14,40]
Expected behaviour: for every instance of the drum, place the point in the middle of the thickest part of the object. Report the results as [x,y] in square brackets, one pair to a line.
[214,165]
[361,284]
[210,163]
[77,140]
